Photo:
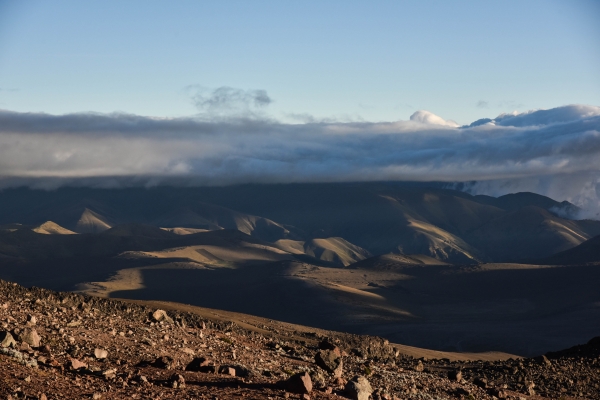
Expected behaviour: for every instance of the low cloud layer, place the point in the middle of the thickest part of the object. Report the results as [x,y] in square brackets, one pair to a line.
[554,152]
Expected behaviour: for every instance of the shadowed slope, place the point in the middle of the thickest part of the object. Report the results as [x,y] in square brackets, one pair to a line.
[530,232]
[587,252]
[380,218]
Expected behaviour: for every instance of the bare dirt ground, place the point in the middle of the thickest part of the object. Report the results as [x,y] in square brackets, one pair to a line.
[64,345]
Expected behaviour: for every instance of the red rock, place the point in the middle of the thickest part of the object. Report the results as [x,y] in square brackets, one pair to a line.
[299,383]
[76,364]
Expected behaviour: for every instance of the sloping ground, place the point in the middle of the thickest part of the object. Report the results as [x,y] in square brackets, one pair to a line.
[515,308]
[335,250]
[586,252]
[392,261]
[51,228]
[529,233]
[211,217]
[380,218]
[92,222]
[410,299]
[516,201]
[184,231]
[26,244]
[135,240]
[70,346]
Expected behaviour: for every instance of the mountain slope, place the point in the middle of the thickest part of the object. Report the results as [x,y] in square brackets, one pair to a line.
[51,228]
[335,250]
[528,233]
[586,252]
[380,218]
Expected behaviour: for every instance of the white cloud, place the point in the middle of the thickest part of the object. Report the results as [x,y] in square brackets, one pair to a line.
[554,152]
[427,117]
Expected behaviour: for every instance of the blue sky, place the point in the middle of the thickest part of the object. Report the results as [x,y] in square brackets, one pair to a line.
[346,60]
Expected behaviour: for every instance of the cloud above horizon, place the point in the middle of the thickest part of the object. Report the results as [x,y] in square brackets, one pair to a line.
[554,152]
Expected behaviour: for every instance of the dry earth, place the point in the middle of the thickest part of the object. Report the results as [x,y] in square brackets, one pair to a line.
[72,346]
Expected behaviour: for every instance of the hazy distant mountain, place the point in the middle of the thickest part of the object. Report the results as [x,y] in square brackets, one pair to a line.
[377,218]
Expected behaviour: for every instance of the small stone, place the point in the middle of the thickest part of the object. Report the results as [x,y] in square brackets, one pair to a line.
[188,351]
[7,340]
[161,316]
[76,364]
[24,347]
[197,364]
[27,378]
[96,396]
[177,381]
[227,370]
[42,396]
[100,353]
[501,394]
[455,375]
[339,382]
[299,383]
[31,319]
[481,382]
[330,361]
[419,367]
[31,337]
[164,362]
[110,373]
[544,360]
[358,388]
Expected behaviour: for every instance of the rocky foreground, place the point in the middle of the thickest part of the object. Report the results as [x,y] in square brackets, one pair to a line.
[65,345]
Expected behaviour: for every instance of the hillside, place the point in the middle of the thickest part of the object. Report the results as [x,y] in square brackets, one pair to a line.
[51,228]
[63,345]
[530,233]
[379,218]
[587,252]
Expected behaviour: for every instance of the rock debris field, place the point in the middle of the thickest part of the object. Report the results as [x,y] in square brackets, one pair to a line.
[68,346]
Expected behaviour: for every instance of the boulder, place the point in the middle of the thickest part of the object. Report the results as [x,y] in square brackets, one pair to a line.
[7,340]
[358,388]
[529,388]
[455,375]
[419,367]
[100,354]
[31,337]
[161,316]
[543,360]
[330,361]
[198,364]
[177,381]
[227,370]
[299,383]
[76,364]
[164,362]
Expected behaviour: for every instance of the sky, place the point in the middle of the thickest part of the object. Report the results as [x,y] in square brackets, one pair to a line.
[504,95]
[345,60]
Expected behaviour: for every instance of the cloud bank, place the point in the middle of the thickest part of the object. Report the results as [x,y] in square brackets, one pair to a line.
[554,152]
